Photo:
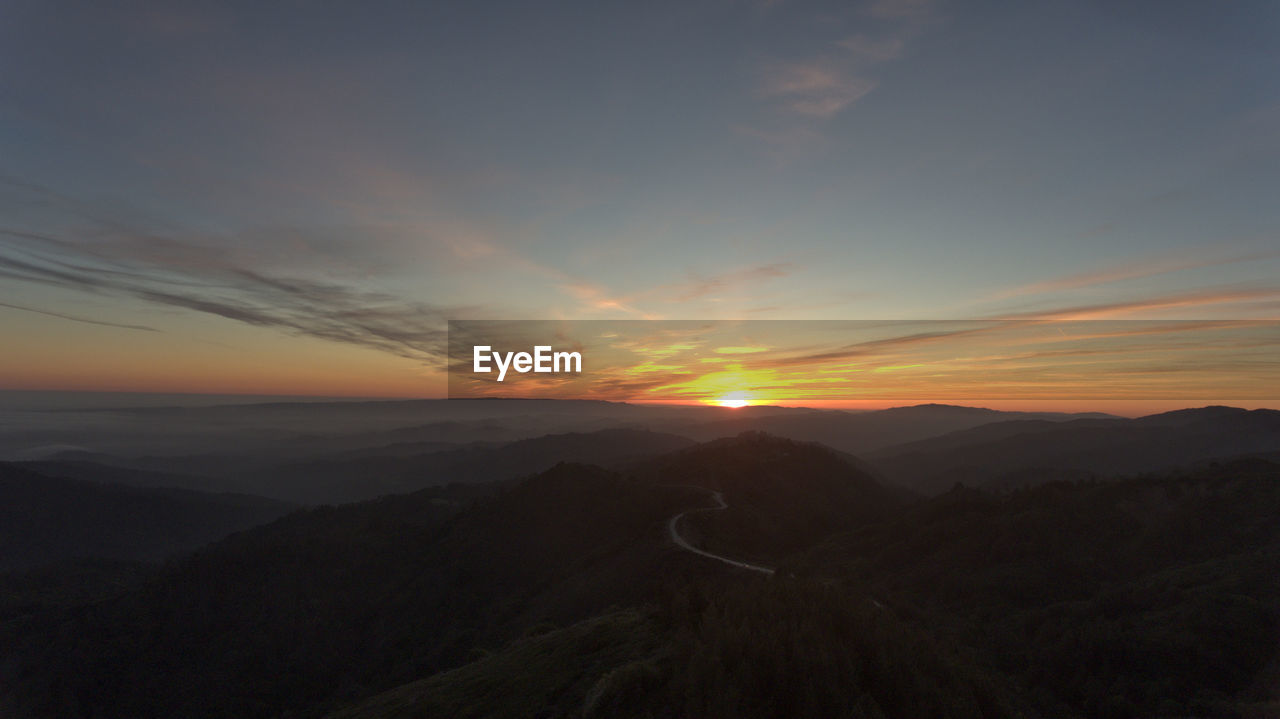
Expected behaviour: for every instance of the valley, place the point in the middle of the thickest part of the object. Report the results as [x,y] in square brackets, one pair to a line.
[635,570]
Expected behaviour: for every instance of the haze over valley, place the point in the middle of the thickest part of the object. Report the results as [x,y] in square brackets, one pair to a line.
[473,557]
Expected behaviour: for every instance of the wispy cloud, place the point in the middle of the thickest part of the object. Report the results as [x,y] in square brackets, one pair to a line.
[655,301]
[817,89]
[879,347]
[807,90]
[285,280]
[74,318]
[1231,297]
[1150,267]
[105,256]
[304,307]
[598,297]
[699,286]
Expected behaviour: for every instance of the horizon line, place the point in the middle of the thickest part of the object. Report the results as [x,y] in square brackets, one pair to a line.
[1123,407]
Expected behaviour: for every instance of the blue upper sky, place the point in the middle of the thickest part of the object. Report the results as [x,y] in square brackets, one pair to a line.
[332,180]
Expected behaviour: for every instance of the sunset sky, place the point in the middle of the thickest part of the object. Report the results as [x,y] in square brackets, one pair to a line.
[1122,363]
[295,197]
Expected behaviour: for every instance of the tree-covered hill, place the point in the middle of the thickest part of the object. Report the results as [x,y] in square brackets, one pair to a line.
[47,518]
[562,595]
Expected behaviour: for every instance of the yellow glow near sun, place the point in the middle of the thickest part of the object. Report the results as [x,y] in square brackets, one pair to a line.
[733,400]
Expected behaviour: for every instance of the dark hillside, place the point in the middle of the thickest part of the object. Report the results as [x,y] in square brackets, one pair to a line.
[1142,597]
[46,519]
[332,604]
[783,495]
[1011,454]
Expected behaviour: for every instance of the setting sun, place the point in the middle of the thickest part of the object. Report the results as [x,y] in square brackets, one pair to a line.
[734,401]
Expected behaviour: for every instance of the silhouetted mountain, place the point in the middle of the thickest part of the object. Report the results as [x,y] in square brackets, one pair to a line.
[562,595]
[45,519]
[352,475]
[67,584]
[1146,597]
[282,431]
[553,670]
[360,598]
[99,468]
[348,480]
[1007,454]
[1216,414]
[348,451]
[860,432]
[333,604]
[729,650]
[782,494]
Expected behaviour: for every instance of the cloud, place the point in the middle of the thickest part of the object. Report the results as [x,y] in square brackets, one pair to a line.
[270,282]
[870,348]
[794,79]
[943,359]
[815,89]
[1183,300]
[698,287]
[122,265]
[1150,267]
[823,85]
[73,318]
[597,297]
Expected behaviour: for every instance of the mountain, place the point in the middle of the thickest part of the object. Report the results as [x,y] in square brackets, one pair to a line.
[1157,596]
[730,649]
[351,475]
[348,451]
[861,432]
[291,431]
[364,597]
[365,477]
[347,478]
[330,605]
[563,594]
[102,470]
[1008,454]
[45,519]
[782,494]
[67,584]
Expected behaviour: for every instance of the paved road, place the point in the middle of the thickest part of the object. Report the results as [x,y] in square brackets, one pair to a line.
[673,529]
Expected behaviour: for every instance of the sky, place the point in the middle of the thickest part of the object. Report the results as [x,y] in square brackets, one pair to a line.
[295,197]
[1134,366]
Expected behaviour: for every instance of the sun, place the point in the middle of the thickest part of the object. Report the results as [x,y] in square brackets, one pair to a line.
[733,401]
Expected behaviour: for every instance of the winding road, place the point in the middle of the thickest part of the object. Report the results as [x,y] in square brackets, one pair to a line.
[673,529]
